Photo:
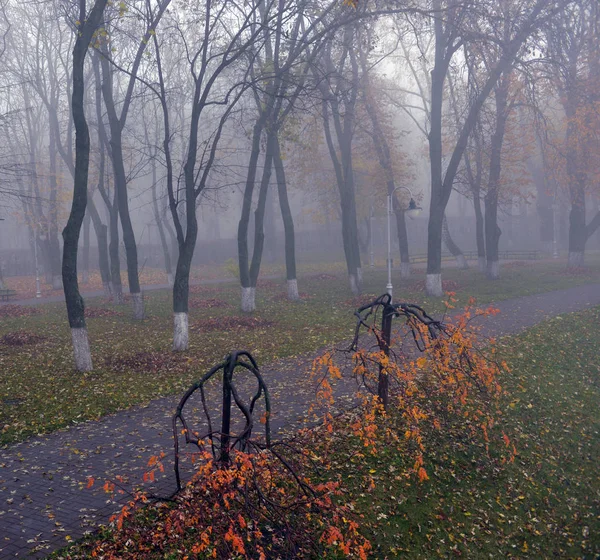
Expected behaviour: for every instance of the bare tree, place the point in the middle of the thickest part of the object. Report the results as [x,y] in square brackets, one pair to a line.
[454,24]
[292,38]
[86,26]
[339,82]
[112,257]
[574,46]
[382,149]
[117,119]
[218,80]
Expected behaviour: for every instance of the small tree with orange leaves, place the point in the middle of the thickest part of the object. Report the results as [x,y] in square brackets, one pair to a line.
[247,499]
[258,506]
[426,375]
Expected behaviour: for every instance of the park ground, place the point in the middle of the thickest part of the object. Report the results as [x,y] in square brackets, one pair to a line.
[545,504]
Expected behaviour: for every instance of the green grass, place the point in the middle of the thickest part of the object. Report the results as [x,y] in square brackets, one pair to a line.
[544,505]
[40,392]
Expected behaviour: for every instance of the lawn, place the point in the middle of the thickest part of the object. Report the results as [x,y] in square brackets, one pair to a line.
[40,392]
[545,504]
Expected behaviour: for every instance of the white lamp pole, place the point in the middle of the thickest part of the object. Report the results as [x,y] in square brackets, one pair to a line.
[554,240]
[389,286]
[371,250]
[413,211]
[38,291]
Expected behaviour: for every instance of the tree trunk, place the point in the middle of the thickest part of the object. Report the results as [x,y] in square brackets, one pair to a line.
[120,182]
[113,287]
[341,98]
[437,206]
[45,256]
[161,230]
[492,231]
[85,275]
[479,231]
[492,236]
[454,249]
[577,236]
[577,187]
[74,301]
[248,303]
[102,237]
[402,243]
[113,250]
[52,229]
[288,224]
[174,250]
[181,290]
[350,242]
[345,182]
[433,282]
[259,216]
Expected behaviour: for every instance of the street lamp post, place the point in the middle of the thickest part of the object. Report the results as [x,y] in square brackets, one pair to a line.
[412,212]
[371,250]
[1,277]
[38,291]
[554,240]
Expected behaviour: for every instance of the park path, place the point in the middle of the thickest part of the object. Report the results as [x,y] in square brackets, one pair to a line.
[43,499]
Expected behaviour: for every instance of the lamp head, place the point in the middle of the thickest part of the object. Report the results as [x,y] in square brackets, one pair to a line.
[413,210]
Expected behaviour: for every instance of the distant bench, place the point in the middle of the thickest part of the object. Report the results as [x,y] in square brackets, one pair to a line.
[6,294]
[472,255]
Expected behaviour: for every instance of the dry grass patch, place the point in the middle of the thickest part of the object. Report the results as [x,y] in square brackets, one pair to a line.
[21,338]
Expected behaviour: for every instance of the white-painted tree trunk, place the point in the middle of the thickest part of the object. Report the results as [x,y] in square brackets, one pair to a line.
[248,300]
[482,264]
[461,262]
[106,286]
[404,270]
[493,270]
[116,294]
[57,282]
[433,285]
[359,276]
[180,332]
[354,286]
[81,349]
[292,290]
[576,259]
[137,300]
[170,280]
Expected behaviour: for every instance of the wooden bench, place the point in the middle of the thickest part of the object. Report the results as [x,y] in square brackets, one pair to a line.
[6,294]
[520,255]
[472,255]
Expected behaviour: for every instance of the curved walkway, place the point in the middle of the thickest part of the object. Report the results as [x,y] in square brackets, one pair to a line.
[43,499]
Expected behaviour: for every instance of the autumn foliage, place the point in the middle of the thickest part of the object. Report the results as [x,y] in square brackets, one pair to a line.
[439,381]
[261,505]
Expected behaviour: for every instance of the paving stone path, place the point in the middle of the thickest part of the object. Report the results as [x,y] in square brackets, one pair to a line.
[43,499]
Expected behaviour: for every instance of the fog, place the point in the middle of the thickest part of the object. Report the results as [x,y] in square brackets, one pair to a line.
[278,132]
[391,206]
